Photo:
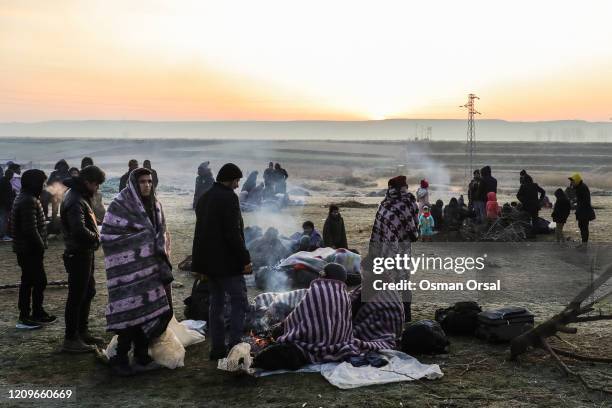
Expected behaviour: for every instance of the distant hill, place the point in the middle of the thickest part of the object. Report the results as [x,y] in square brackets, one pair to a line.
[392,129]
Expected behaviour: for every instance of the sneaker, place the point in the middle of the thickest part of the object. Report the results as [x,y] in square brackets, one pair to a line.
[6,238]
[27,324]
[44,318]
[91,340]
[77,346]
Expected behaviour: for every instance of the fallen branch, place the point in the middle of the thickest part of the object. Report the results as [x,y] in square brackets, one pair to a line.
[581,357]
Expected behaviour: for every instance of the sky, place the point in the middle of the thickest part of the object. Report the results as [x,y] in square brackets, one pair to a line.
[304,60]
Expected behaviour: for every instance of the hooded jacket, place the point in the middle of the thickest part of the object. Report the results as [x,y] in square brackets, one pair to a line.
[334,233]
[584,209]
[562,208]
[204,182]
[528,195]
[28,227]
[493,209]
[488,183]
[78,220]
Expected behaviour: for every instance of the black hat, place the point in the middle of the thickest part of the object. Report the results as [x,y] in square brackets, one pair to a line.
[334,271]
[229,172]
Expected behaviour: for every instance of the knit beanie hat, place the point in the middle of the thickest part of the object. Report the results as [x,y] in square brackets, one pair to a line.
[334,271]
[229,172]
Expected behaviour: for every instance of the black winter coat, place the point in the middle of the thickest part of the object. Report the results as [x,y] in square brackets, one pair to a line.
[7,195]
[561,210]
[528,196]
[584,209]
[334,233]
[28,227]
[488,183]
[218,244]
[78,220]
[123,181]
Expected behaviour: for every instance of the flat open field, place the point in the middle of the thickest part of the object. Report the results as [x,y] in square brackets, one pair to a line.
[538,275]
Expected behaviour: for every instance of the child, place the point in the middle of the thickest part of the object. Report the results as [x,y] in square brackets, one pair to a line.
[423,195]
[493,209]
[426,224]
[561,212]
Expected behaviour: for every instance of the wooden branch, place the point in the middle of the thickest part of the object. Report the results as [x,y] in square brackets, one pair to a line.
[581,357]
[592,318]
[568,371]
[586,292]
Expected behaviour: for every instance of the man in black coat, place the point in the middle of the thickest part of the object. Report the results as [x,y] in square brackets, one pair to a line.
[220,253]
[488,182]
[7,196]
[528,196]
[81,239]
[584,210]
[132,165]
[29,243]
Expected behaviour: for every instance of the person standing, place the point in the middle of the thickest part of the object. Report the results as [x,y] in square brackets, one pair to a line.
[97,202]
[139,300]
[29,244]
[147,165]
[281,176]
[219,252]
[528,196]
[81,239]
[7,197]
[584,210]
[422,195]
[132,165]
[560,213]
[334,232]
[475,196]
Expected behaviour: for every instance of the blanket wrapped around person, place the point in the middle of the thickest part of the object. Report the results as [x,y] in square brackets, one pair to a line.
[136,257]
[321,326]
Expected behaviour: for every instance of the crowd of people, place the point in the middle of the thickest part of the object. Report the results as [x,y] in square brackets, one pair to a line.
[133,235]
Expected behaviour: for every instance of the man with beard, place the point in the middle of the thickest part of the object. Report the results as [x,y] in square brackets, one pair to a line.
[81,239]
[29,243]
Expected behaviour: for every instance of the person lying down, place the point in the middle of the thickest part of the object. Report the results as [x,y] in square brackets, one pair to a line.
[322,328]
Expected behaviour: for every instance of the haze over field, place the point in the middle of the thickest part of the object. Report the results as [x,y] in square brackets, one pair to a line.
[396,129]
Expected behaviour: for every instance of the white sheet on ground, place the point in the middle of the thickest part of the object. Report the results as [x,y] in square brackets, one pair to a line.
[401,367]
[167,350]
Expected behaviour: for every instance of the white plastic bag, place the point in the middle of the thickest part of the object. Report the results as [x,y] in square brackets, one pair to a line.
[167,350]
[238,359]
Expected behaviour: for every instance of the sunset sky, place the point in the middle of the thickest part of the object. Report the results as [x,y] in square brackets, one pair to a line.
[292,60]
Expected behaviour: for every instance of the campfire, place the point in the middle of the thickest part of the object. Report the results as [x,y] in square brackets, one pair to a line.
[258,343]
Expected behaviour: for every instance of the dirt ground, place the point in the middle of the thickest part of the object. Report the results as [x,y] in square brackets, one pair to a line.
[540,276]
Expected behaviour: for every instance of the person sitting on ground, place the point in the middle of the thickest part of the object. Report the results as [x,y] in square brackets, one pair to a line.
[251,182]
[267,250]
[136,248]
[203,183]
[29,244]
[334,233]
[560,213]
[493,209]
[422,195]
[147,165]
[123,182]
[452,215]
[319,335]
[436,212]
[426,224]
[307,240]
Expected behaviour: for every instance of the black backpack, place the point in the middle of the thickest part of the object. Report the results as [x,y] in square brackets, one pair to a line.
[460,319]
[196,305]
[424,337]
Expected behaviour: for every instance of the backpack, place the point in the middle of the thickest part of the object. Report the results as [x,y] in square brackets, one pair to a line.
[460,319]
[424,337]
[196,305]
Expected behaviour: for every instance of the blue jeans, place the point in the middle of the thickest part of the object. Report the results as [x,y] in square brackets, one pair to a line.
[479,207]
[235,287]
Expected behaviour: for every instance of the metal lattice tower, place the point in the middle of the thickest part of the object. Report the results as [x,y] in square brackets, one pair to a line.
[471,134]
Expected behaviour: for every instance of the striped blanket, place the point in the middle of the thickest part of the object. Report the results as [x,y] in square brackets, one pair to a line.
[378,321]
[135,258]
[321,325]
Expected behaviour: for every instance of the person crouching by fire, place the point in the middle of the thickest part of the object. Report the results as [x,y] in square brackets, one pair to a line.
[136,248]
[220,253]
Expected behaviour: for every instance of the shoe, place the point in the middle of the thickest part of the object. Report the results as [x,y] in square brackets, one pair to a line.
[26,323]
[91,340]
[120,367]
[43,318]
[141,368]
[77,346]
[7,239]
